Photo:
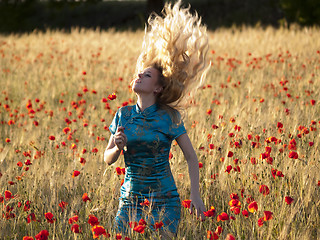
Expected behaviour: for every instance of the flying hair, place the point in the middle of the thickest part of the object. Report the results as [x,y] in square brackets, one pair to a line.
[175,43]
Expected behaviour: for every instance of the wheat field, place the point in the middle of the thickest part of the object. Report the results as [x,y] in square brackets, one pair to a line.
[254,125]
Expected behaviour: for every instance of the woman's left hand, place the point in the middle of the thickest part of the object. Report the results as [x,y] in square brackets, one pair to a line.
[198,205]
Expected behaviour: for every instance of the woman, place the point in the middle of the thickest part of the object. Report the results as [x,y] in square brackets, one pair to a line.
[172,62]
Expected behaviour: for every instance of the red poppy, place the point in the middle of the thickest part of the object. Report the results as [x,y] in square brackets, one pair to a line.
[27,238]
[98,230]
[118,236]
[267,215]
[223,217]
[142,222]
[264,190]
[279,125]
[31,217]
[186,203]
[42,235]
[26,207]
[158,225]
[288,200]
[212,235]
[228,169]
[245,213]
[82,161]
[52,138]
[66,130]
[145,203]
[200,164]
[139,228]
[75,173]
[133,224]
[75,228]
[253,206]
[293,155]
[85,197]
[112,96]
[209,111]
[211,212]
[28,162]
[49,217]
[230,154]
[73,219]
[219,230]
[230,237]
[63,205]
[93,220]
[260,221]
[8,140]
[8,195]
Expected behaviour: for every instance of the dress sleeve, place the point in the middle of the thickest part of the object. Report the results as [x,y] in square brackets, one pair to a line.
[177,129]
[115,122]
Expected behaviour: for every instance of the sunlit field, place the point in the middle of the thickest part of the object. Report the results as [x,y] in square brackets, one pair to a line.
[254,125]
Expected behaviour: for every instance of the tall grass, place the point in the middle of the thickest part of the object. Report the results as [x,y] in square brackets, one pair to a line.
[259,77]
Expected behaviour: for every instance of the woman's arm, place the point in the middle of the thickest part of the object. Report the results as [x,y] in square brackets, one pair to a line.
[115,145]
[193,167]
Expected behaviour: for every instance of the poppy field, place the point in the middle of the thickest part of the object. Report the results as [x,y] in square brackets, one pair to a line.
[254,124]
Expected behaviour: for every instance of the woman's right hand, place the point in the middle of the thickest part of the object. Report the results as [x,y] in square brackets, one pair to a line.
[119,138]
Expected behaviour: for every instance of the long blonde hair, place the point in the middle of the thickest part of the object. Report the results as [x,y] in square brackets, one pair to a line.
[177,45]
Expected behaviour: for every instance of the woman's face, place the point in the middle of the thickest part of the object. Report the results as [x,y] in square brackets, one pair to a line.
[147,82]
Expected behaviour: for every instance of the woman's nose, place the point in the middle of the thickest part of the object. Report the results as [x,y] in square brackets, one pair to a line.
[140,75]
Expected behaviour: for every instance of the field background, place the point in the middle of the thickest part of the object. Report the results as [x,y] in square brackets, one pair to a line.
[259,77]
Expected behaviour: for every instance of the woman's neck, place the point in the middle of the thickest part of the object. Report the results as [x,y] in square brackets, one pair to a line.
[145,102]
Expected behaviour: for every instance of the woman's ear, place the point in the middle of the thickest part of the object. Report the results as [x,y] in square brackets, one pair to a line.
[158,90]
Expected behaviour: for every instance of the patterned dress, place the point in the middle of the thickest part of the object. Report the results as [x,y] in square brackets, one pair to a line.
[148,174]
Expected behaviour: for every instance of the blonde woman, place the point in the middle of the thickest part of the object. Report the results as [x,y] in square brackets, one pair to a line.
[172,64]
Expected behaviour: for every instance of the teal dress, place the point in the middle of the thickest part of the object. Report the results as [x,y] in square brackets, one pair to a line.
[148,174]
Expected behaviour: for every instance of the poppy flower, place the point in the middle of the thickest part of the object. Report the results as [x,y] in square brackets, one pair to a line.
[186,203]
[75,228]
[158,225]
[118,236]
[142,222]
[253,206]
[49,217]
[27,238]
[245,213]
[288,200]
[93,220]
[52,137]
[212,235]
[82,161]
[264,190]
[28,162]
[267,215]
[200,164]
[211,212]
[145,203]
[8,140]
[112,96]
[260,221]
[223,217]
[75,173]
[293,155]
[279,125]
[133,224]
[230,237]
[228,169]
[139,228]
[73,219]
[66,130]
[42,235]
[230,154]
[98,230]
[8,195]
[85,197]
[63,205]
[31,217]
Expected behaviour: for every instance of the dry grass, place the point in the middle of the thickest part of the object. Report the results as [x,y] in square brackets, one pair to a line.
[245,85]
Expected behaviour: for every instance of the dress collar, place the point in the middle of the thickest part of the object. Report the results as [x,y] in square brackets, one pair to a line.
[146,111]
